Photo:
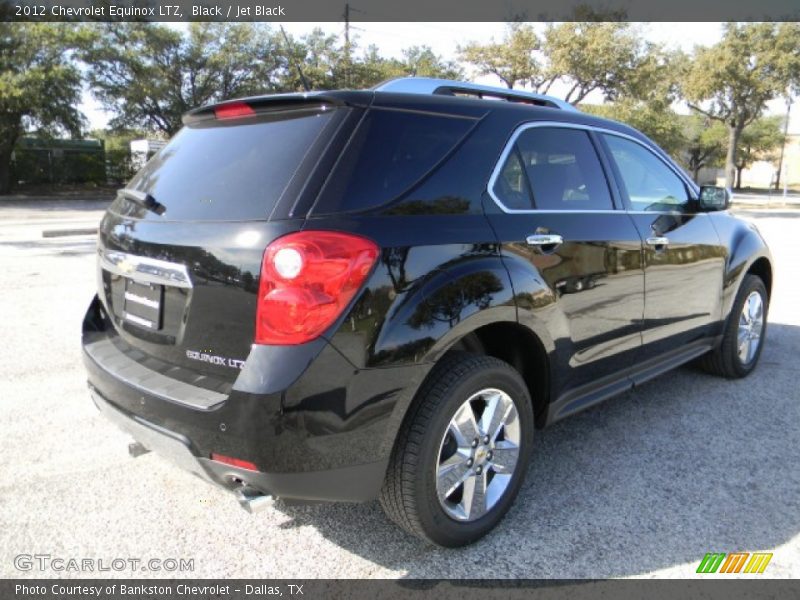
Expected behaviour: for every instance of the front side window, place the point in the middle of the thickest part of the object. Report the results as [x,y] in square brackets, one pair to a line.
[650,184]
[553,168]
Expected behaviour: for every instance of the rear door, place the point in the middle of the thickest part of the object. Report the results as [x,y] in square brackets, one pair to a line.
[180,249]
[683,257]
[558,213]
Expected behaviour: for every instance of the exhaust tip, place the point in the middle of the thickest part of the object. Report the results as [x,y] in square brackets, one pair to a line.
[252,500]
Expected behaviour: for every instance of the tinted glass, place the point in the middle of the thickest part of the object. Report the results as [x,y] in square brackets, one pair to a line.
[650,184]
[562,169]
[390,152]
[511,187]
[229,170]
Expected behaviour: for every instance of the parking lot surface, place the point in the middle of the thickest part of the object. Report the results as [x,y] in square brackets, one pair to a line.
[641,486]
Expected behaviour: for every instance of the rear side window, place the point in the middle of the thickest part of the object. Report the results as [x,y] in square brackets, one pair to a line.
[389,152]
[229,170]
[552,168]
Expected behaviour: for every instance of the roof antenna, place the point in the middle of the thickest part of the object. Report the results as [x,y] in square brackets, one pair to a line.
[296,64]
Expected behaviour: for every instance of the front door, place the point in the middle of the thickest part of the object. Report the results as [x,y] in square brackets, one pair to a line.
[684,260]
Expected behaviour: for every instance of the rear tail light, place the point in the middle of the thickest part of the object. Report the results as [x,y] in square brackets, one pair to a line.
[233,110]
[234,462]
[307,280]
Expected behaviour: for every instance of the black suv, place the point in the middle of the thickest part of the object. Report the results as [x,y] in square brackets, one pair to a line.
[383,293]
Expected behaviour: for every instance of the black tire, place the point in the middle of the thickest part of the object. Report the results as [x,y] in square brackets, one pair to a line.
[724,360]
[409,494]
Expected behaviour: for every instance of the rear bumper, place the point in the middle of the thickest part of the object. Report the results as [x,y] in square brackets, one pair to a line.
[351,484]
[324,433]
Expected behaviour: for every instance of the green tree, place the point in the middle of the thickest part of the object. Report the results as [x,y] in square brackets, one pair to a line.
[422,61]
[661,124]
[40,85]
[417,61]
[705,143]
[607,57]
[320,56]
[372,68]
[326,65]
[732,81]
[760,140]
[515,59]
[610,57]
[148,75]
[117,144]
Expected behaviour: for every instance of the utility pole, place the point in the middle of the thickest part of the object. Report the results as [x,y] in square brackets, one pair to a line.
[347,44]
[296,64]
[783,146]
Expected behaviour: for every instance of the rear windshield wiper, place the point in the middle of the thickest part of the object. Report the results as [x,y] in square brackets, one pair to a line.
[143,199]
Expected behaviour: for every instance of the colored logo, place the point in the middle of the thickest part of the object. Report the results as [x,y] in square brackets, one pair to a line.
[735,562]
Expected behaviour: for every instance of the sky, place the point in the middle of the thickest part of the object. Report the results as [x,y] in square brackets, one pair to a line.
[444,38]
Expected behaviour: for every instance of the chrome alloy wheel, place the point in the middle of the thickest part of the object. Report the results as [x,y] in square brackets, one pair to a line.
[478,455]
[751,327]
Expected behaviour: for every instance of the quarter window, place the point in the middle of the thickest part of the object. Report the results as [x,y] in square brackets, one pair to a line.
[650,184]
[553,168]
[390,152]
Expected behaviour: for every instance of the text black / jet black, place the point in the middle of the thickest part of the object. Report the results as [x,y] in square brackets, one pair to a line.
[358,294]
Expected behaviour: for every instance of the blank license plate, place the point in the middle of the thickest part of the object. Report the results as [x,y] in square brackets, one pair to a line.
[143,304]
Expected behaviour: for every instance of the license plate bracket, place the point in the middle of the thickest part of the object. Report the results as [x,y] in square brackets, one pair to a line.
[143,304]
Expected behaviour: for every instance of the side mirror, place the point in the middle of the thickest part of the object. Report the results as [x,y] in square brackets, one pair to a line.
[714,198]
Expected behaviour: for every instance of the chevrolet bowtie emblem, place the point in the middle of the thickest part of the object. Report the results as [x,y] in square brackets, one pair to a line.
[126,266]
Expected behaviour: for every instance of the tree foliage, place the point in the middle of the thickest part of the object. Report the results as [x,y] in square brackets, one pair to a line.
[40,86]
[704,145]
[515,59]
[759,141]
[732,81]
[326,66]
[611,58]
[662,125]
[120,166]
[148,75]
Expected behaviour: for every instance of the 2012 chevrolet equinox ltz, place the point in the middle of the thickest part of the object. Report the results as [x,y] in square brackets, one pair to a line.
[383,293]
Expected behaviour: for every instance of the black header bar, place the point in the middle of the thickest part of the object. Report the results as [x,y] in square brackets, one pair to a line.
[398,10]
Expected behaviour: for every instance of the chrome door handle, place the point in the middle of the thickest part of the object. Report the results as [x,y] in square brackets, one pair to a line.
[657,241]
[544,239]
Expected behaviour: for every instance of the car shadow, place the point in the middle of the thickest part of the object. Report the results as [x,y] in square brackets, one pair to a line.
[684,465]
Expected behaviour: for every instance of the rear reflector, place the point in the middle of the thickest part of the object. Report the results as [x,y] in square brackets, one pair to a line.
[234,462]
[233,110]
[307,280]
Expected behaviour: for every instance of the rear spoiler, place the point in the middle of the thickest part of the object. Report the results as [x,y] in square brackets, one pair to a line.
[276,103]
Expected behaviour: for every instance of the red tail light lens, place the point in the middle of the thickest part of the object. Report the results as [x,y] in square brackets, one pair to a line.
[307,279]
[234,462]
[233,110]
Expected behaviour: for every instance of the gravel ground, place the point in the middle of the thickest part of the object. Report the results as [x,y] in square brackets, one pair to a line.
[641,486]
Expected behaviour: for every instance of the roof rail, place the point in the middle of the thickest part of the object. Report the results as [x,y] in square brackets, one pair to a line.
[447,87]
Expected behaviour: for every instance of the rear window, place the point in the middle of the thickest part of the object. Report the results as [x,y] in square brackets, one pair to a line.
[235,170]
[389,153]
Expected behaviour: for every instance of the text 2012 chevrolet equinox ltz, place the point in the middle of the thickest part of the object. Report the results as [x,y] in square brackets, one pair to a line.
[369,294]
